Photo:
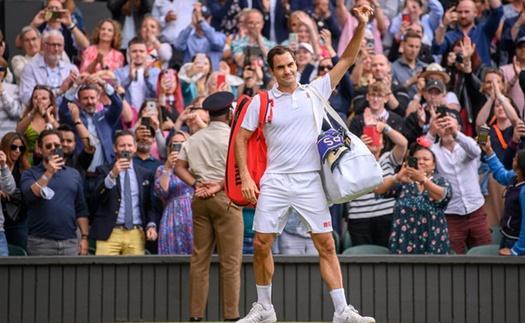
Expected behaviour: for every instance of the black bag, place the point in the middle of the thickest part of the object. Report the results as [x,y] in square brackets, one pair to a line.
[12,208]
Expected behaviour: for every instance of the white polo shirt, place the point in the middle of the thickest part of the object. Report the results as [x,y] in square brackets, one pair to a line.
[292,134]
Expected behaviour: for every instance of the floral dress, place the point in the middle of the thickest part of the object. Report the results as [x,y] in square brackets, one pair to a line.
[176,225]
[419,225]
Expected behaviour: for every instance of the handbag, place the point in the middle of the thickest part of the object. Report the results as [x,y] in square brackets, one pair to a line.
[348,168]
[12,208]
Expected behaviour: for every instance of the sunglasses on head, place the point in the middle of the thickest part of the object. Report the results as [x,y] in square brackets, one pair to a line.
[325,67]
[21,148]
[50,145]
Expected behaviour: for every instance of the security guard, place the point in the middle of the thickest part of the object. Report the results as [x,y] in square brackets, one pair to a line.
[202,163]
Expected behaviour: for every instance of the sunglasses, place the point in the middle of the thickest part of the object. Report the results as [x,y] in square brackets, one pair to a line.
[325,67]
[50,145]
[3,69]
[21,148]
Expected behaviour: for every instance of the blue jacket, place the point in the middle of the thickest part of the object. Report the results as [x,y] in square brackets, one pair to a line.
[505,177]
[104,120]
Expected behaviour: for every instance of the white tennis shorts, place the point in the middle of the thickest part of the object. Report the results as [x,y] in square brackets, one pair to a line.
[282,192]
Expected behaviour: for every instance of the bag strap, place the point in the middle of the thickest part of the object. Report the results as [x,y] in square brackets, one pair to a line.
[263,108]
[328,108]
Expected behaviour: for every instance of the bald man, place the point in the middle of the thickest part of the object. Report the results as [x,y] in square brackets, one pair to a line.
[397,98]
[464,16]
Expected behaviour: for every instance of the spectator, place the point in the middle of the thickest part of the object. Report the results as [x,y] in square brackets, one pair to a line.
[425,53]
[30,40]
[159,51]
[377,98]
[76,14]
[513,31]
[104,53]
[194,77]
[129,14]
[176,225]
[512,71]
[306,31]
[40,114]
[305,63]
[361,75]
[55,203]
[13,205]
[254,25]
[464,16]
[121,228]
[156,121]
[82,160]
[169,94]
[370,219]
[143,157]
[200,37]
[10,107]
[418,225]
[7,186]
[224,15]
[324,18]
[216,221]
[138,78]
[457,157]
[407,68]
[173,17]
[397,98]
[48,69]
[429,21]
[73,36]
[378,24]
[513,180]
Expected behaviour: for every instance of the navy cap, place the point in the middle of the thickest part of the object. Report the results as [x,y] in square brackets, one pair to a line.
[520,40]
[205,11]
[218,103]
[435,84]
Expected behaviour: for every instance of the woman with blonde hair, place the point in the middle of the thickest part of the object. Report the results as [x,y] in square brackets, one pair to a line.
[104,53]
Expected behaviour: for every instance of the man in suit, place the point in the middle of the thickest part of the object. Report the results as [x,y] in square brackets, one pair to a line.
[125,216]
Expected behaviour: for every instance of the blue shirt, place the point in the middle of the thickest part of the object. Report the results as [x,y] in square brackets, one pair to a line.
[55,217]
[149,163]
[481,35]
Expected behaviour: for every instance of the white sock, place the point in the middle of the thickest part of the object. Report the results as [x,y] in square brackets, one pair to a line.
[339,299]
[264,296]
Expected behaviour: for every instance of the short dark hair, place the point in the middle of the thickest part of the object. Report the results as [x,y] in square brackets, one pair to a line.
[88,87]
[48,132]
[411,34]
[137,40]
[520,156]
[279,50]
[66,127]
[122,133]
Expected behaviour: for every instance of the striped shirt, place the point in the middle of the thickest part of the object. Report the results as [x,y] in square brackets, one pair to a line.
[367,206]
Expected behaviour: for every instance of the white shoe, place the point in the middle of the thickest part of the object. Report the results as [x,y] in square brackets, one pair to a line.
[259,315]
[351,315]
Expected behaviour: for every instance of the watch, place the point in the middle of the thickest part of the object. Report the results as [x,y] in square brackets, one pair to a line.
[195,184]
[78,122]
[200,21]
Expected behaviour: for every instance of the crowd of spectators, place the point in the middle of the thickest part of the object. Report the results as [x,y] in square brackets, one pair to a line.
[92,121]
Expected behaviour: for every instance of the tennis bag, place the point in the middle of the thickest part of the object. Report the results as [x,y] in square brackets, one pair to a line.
[348,168]
[256,150]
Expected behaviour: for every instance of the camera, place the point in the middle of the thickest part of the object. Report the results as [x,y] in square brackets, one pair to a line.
[176,146]
[125,154]
[459,58]
[58,152]
[412,162]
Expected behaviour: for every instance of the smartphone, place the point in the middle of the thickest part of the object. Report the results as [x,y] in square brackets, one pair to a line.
[293,41]
[176,146]
[58,152]
[371,131]
[370,46]
[170,74]
[151,107]
[221,79]
[441,111]
[200,57]
[146,121]
[406,18]
[125,154]
[483,135]
[412,162]
[52,15]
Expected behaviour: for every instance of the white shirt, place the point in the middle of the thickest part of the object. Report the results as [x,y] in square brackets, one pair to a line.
[292,134]
[460,168]
[184,12]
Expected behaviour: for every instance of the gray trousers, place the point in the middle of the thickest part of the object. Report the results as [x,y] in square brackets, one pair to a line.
[49,247]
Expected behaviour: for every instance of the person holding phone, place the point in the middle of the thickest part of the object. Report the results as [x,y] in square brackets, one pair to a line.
[176,224]
[419,225]
[125,217]
[54,195]
[415,11]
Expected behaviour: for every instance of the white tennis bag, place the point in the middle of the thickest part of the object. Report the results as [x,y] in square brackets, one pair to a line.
[348,168]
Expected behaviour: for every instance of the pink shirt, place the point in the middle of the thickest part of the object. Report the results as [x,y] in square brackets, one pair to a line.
[348,32]
[113,60]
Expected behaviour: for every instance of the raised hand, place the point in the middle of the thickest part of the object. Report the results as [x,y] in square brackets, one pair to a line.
[467,47]
[363,13]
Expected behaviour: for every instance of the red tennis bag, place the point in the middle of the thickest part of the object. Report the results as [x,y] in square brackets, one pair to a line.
[256,150]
